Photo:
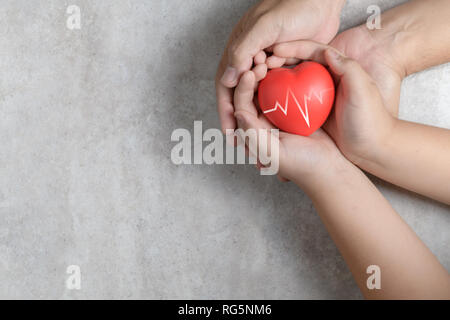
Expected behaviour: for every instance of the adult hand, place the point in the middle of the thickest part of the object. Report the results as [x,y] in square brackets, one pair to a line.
[268,23]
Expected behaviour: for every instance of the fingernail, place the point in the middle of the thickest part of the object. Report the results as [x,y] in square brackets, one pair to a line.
[335,54]
[240,121]
[230,76]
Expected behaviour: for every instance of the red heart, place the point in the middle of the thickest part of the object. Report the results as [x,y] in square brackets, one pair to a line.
[297,100]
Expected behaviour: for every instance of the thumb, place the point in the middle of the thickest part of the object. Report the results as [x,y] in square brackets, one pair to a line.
[345,68]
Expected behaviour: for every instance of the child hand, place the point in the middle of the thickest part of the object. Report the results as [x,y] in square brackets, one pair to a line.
[359,124]
[304,160]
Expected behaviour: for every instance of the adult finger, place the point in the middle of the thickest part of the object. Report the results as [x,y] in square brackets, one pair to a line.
[243,49]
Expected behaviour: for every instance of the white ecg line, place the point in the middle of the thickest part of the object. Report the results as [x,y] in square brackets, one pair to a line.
[306,99]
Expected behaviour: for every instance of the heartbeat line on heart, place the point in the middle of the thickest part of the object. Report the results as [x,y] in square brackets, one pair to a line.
[319,97]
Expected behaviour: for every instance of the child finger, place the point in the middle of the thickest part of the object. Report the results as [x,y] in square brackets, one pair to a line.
[260,72]
[244,92]
[275,62]
[261,140]
[260,58]
[292,61]
[303,50]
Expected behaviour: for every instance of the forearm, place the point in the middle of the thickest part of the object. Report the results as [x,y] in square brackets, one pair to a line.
[367,231]
[415,157]
[417,34]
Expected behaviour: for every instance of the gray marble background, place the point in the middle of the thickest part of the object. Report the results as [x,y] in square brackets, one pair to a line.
[86,177]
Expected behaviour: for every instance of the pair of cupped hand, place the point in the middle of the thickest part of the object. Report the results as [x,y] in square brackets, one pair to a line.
[366,76]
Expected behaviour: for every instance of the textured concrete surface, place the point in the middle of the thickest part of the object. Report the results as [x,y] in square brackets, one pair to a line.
[86,177]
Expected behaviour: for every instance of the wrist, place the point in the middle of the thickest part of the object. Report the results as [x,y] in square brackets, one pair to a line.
[343,178]
[328,176]
[378,157]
